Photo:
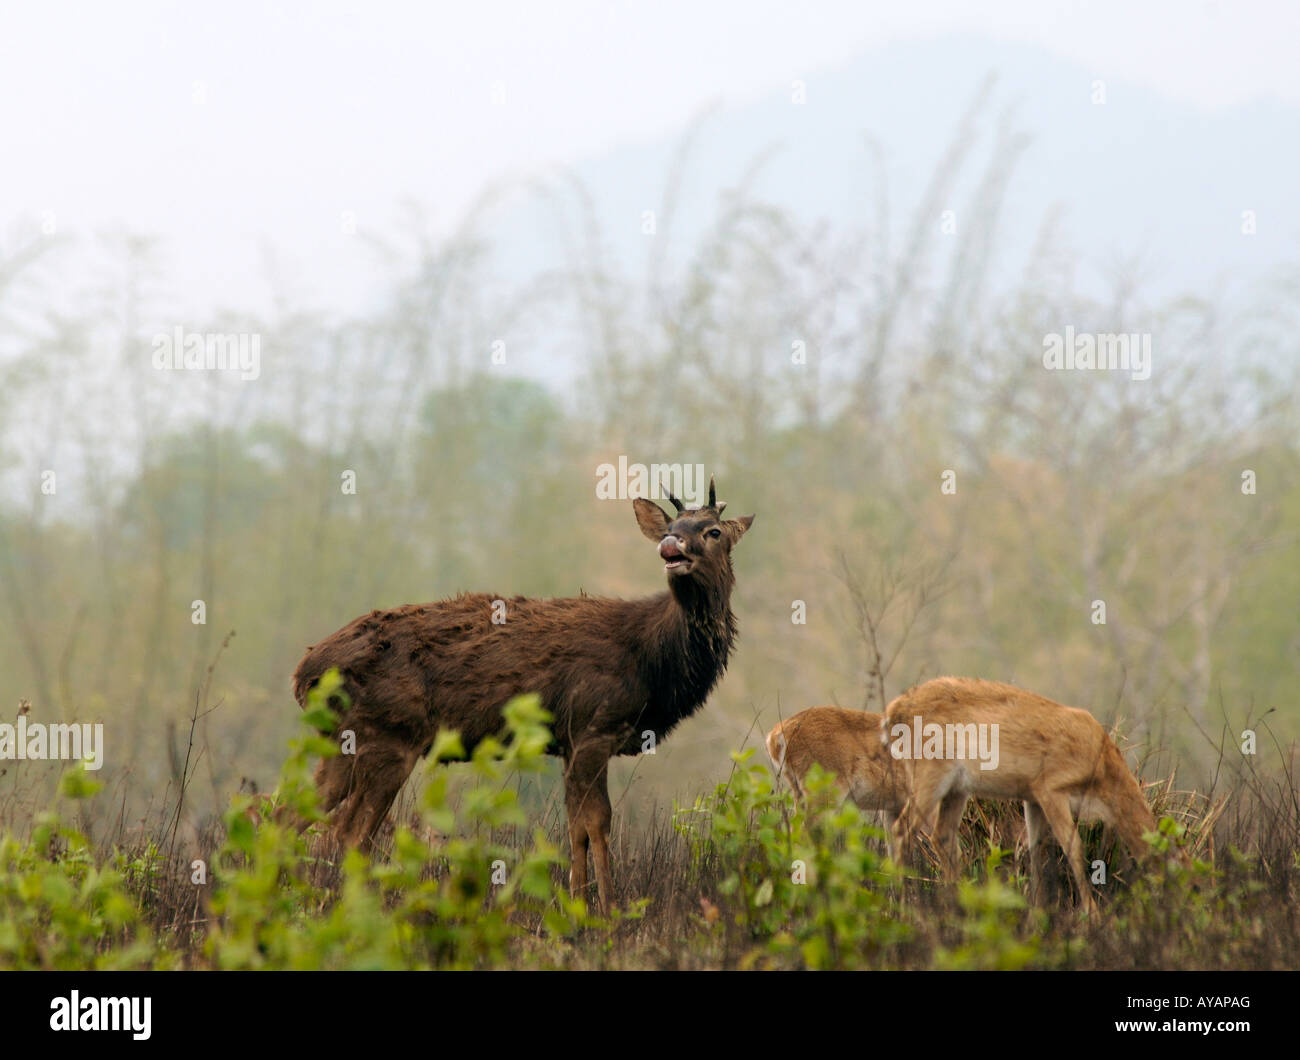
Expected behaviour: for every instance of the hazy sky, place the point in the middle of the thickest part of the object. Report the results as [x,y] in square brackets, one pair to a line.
[213,125]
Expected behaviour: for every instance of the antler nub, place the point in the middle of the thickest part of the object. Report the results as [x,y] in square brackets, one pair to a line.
[676,503]
[713,498]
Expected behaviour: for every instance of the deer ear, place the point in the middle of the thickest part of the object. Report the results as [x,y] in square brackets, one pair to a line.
[650,518]
[737,527]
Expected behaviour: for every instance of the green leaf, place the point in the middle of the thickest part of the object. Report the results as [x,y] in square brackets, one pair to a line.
[240,833]
[321,718]
[447,746]
[76,783]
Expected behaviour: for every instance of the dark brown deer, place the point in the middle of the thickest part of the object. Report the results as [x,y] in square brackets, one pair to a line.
[608,670]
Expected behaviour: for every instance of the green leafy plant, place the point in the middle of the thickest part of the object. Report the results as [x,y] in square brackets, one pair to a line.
[58,908]
[803,885]
[459,903]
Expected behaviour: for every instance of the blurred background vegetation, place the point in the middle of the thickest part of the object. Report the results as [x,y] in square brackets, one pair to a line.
[1071,487]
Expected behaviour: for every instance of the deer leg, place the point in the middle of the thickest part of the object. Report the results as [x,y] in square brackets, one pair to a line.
[1035,828]
[334,780]
[924,808]
[946,838]
[1056,808]
[578,864]
[891,823]
[912,818]
[599,816]
[381,767]
[586,802]
[1036,831]
[1043,888]
[577,835]
[900,836]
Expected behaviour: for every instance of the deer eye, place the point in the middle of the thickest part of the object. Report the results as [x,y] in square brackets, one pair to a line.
[715,532]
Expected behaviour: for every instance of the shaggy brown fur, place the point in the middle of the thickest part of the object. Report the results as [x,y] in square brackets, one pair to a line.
[1058,760]
[609,671]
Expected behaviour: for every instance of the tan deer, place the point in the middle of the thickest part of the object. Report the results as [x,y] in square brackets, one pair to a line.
[1057,760]
[843,742]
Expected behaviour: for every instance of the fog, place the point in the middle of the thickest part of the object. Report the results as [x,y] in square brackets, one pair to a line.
[325,308]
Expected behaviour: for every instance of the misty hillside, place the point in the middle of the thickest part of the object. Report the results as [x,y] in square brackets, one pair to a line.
[1140,187]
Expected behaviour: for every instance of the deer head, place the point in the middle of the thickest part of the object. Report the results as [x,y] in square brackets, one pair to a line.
[696,543]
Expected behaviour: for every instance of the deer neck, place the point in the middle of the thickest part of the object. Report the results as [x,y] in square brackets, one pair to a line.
[703,600]
[697,629]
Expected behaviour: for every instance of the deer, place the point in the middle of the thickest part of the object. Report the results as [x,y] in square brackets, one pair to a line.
[609,671]
[1057,760]
[846,743]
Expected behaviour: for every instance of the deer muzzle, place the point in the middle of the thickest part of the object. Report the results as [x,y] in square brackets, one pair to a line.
[670,550]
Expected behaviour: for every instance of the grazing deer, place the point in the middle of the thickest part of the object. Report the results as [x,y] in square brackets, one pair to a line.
[843,742]
[609,671]
[1057,760]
